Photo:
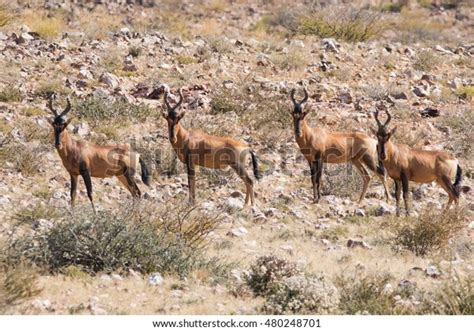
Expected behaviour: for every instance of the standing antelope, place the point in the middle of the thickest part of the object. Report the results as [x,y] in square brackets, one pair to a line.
[320,146]
[404,164]
[80,157]
[198,148]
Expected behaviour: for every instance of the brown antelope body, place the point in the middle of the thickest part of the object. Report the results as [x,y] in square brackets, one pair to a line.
[321,146]
[88,160]
[196,148]
[404,164]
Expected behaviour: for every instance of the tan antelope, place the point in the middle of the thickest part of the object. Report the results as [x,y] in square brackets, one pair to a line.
[321,146]
[83,158]
[404,164]
[196,148]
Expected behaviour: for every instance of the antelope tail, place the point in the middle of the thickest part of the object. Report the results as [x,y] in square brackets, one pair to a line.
[146,175]
[256,172]
[457,183]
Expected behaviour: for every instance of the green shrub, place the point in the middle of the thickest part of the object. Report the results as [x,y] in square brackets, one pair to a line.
[426,60]
[302,295]
[25,158]
[113,241]
[185,59]
[224,101]
[348,25]
[10,94]
[465,92]
[135,51]
[98,110]
[365,295]
[429,232]
[267,271]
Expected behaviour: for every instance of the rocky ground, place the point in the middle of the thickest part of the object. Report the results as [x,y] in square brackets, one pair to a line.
[236,63]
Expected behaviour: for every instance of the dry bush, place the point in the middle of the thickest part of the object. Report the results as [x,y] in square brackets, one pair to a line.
[100,110]
[343,24]
[47,87]
[30,214]
[223,101]
[364,294]
[413,26]
[6,16]
[455,297]
[302,295]
[267,271]
[461,133]
[45,26]
[341,180]
[17,284]
[24,158]
[130,237]
[429,232]
[293,60]
[10,94]
[465,92]
[426,60]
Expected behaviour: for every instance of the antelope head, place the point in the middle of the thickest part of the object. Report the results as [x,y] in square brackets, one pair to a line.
[298,113]
[382,133]
[171,114]
[59,122]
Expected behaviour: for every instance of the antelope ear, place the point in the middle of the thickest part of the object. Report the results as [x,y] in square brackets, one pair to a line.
[181,115]
[50,121]
[164,113]
[373,131]
[393,131]
[67,122]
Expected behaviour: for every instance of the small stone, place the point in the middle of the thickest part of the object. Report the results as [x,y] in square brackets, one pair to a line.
[359,212]
[330,44]
[109,79]
[432,271]
[116,277]
[234,203]
[430,112]
[238,232]
[155,279]
[357,243]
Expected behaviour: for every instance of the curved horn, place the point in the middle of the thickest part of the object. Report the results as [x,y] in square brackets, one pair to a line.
[68,107]
[389,117]
[305,96]
[50,104]
[166,101]
[376,115]
[292,95]
[180,91]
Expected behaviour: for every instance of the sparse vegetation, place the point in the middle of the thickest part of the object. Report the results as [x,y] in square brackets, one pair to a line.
[429,232]
[25,158]
[267,271]
[45,26]
[302,295]
[114,241]
[465,92]
[17,284]
[348,25]
[426,60]
[5,15]
[98,110]
[10,94]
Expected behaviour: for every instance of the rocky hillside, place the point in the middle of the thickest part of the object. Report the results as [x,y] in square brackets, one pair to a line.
[236,62]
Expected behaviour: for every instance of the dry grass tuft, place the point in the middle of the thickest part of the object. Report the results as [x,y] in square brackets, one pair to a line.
[6,16]
[45,26]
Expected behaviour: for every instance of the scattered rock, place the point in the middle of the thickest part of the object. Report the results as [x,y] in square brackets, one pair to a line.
[357,243]
[430,112]
[432,271]
[359,212]
[110,80]
[238,232]
[330,44]
[234,203]
[155,279]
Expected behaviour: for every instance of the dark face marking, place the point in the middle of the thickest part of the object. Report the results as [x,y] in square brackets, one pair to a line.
[173,119]
[59,124]
[382,138]
[298,117]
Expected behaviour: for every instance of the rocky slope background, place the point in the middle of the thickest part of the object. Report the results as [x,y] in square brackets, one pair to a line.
[236,62]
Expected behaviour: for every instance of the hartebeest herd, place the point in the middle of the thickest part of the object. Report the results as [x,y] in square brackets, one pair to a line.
[318,145]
